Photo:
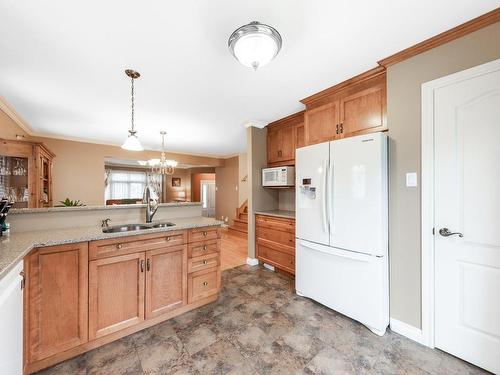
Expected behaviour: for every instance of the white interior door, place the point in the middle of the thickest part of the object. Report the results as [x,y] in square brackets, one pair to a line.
[467,200]
[207,190]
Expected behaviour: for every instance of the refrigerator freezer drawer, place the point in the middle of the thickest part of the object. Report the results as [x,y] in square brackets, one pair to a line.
[354,284]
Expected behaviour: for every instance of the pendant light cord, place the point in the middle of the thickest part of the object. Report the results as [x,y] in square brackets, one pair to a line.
[132,128]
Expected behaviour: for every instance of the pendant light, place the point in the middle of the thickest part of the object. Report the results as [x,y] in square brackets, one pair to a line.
[162,166]
[132,142]
[255,45]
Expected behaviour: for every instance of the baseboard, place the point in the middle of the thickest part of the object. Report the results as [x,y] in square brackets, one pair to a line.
[252,261]
[404,329]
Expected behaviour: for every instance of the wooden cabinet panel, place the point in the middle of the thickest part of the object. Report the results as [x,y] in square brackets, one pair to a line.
[197,249]
[363,111]
[300,140]
[166,280]
[202,234]
[134,244]
[116,293]
[320,124]
[277,256]
[279,236]
[203,262]
[281,145]
[203,284]
[287,135]
[57,299]
[276,223]
[273,146]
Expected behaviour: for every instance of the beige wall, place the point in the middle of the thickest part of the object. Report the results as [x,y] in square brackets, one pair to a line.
[242,178]
[226,182]
[79,167]
[258,197]
[171,192]
[404,120]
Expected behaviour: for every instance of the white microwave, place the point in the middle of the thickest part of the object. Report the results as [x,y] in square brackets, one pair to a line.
[278,177]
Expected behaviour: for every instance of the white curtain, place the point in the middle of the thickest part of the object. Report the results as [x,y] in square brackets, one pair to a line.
[125,185]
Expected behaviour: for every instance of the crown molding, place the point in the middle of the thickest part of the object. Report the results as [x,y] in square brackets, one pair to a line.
[6,108]
[295,118]
[445,37]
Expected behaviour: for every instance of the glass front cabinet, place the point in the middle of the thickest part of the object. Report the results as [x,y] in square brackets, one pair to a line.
[26,174]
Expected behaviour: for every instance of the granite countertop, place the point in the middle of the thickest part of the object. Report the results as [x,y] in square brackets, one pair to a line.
[15,246]
[277,213]
[93,208]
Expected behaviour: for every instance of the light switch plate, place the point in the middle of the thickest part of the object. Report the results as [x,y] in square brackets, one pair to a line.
[411,179]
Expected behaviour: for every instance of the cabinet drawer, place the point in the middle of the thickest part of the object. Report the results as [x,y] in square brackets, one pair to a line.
[203,284]
[203,262]
[201,248]
[202,234]
[275,223]
[134,244]
[278,236]
[275,257]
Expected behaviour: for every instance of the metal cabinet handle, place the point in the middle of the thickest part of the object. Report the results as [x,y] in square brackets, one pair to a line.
[337,129]
[205,247]
[168,238]
[119,246]
[205,261]
[341,127]
[148,264]
[205,234]
[142,265]
[205,283]
[445,232]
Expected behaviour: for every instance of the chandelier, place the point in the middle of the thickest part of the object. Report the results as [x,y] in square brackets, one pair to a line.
[132,142]
[163,165]
[254,45]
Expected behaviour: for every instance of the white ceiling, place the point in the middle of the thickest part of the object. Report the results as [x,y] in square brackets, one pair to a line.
[62,62]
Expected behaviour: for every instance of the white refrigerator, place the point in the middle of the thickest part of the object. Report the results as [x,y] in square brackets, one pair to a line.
[342,227]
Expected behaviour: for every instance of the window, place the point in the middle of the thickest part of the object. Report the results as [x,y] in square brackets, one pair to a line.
[125,185]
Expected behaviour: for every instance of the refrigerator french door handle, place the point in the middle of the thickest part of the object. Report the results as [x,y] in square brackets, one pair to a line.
[330,196]
[323,197]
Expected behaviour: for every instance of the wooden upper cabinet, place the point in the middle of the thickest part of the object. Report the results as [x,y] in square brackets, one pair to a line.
[116,293]
[321,123]
[363,111]
[56,300]
[282,138]
[166,280]
[300,136]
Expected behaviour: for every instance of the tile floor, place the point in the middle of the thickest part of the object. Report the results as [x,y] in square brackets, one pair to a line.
[259,326]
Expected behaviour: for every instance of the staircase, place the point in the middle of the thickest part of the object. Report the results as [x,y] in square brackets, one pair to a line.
[240,223]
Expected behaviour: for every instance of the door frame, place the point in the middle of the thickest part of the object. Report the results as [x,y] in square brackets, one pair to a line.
[427,197]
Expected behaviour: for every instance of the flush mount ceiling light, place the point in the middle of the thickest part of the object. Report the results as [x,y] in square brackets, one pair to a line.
[132,142]
[162,165]
[254,45]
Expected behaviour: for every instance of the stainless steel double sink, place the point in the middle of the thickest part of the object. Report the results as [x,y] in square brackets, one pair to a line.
[134,227]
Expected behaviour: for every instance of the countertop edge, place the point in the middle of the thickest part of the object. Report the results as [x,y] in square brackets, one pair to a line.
[283,214]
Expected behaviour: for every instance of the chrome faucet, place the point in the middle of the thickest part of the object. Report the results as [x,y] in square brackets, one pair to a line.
[152,202]
[105,223]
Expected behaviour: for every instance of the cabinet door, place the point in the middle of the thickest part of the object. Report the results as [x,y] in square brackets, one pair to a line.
[299,136]
[116,293]
[166,280]
[57,299]
[273,146]
[363,111]
[287,143]
[320,124]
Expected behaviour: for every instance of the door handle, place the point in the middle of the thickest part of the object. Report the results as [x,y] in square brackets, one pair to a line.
[142,266]
[445,232]
[148,264]
[341,127]
[337,130]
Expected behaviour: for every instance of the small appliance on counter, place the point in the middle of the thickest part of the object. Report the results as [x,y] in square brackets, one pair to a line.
[278,177]
[5,206]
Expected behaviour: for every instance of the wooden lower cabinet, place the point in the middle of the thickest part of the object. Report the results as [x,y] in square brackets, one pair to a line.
[116,293]
[56,299]
[74,303]
[166,280]
[275,241]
